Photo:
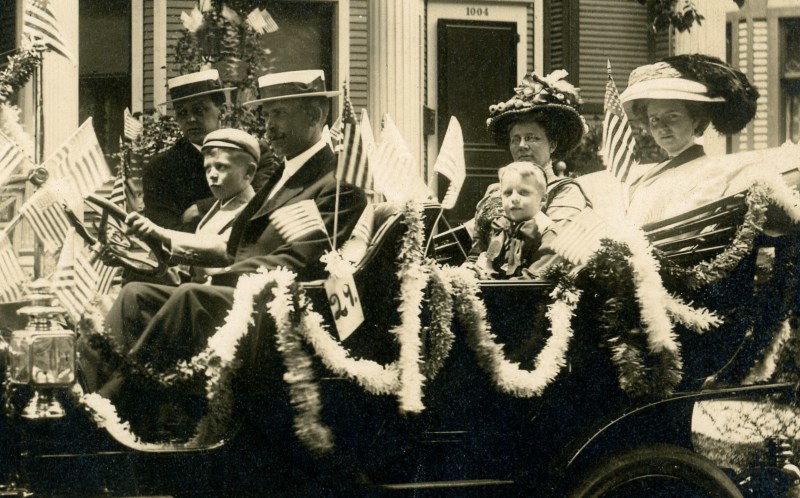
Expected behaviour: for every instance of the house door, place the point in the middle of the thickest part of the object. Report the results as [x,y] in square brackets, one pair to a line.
[477,67]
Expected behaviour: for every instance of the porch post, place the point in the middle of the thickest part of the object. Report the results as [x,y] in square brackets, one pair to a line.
[395,62]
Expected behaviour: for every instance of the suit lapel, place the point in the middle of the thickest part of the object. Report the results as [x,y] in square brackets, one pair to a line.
[255,203]
[312,170]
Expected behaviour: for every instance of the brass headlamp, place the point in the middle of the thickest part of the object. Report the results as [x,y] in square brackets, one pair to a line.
[42,355]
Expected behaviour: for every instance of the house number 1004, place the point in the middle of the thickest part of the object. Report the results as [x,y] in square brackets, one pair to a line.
[477,11]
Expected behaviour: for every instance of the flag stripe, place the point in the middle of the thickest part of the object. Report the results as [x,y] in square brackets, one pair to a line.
[81,159]
[39,22]
[618,142]
[298,220]
[12,276]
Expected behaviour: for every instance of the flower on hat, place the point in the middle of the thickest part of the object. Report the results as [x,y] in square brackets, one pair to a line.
[552,94]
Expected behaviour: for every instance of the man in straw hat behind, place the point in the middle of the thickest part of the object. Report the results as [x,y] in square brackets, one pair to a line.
[161,324]
[173,182]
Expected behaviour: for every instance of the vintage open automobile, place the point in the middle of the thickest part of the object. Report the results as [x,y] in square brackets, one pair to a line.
[585,435]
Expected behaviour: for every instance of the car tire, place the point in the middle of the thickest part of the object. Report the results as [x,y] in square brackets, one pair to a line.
[655,471]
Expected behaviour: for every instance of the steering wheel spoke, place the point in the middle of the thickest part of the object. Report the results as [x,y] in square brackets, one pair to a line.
[117,247]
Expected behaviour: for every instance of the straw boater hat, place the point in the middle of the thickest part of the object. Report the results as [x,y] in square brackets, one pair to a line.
[730,98]
[291,85]
[195,85]
[552,96]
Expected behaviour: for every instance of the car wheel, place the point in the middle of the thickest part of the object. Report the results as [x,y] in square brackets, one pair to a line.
[656,471]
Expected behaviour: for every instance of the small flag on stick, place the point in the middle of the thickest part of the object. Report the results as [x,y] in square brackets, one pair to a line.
[45,212]
[107,276]
[80,159]
[354,157]
[39,23]
[261,21]
[12,277]
[450,162]
[132,126]
[298,220]
[581,237]
[395,170]
[74,278]
[618,142]
[11,158]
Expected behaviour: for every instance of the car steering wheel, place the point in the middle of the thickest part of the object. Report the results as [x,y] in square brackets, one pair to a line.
[117,248]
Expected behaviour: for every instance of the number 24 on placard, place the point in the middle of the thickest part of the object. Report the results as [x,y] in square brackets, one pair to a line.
[348,301]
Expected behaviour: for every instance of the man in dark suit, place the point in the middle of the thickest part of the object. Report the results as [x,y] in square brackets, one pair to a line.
[161,324]
[173,182]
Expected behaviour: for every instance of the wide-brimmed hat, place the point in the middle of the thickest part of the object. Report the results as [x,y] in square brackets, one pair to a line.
[553,97]
[291,85]
[196,84]
[231,138]
[697,78]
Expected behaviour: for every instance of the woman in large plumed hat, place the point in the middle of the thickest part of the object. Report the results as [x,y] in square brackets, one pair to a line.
[677,98]
[539,123]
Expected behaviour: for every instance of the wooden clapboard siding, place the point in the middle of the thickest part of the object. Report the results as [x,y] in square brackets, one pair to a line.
[148,56]
[554,20]
[175,31]
[610,30]
[750,56]
[663,45]
[530,41]
[358,54]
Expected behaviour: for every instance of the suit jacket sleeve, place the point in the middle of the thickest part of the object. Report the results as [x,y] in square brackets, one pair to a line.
[158,205]
[193,249]
[302,256]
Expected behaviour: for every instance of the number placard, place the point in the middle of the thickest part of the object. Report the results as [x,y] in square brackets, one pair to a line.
[345,304]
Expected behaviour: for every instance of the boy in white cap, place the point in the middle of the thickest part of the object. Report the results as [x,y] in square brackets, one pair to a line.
[173,182]
[230,159]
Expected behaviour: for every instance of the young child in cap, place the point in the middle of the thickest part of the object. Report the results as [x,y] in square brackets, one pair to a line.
[230,159]
[516,237]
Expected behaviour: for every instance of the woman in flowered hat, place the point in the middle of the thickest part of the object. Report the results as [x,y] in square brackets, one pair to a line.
[677,98]
[538,124]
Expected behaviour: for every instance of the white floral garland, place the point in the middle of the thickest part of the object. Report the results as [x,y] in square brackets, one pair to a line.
[104,414]
[507,375]
[413,277]
[763,369]
[370,375]
[303,390]
[213,362]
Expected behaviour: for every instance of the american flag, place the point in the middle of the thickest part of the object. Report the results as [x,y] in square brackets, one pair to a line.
[45,212]
[450,162]
[81,159]
[618,142]
[261,21]
[296,221]
[580,237]
[11,158]
[395,169]
[40,23]
[12,277]
[354,157]
[335,133]
[107,276]
[74,279]
[363,229]
[132,126]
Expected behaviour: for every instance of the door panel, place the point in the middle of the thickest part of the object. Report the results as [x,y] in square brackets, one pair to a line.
[477,66]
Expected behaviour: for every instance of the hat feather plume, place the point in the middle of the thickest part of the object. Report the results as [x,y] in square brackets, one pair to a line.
[724,81]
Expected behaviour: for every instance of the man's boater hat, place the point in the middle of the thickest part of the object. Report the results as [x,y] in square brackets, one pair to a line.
[196,84]
[291,85]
